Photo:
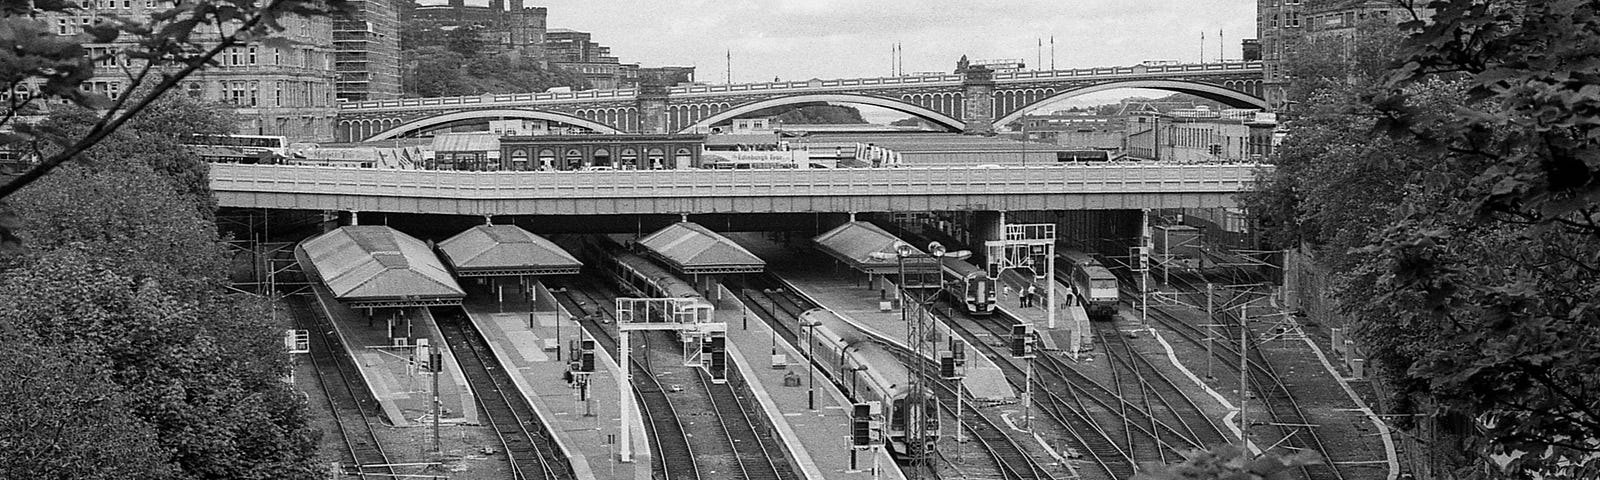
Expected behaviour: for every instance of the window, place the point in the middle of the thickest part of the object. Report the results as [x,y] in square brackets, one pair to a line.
[519,159]
[277,93]
[277,56]
[194,90]
[252,55]
[62,27]
[254,93]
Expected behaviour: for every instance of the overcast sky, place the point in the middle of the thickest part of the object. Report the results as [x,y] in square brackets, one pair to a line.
[802,39]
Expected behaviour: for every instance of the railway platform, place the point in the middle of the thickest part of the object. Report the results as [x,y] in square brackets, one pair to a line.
[585,429]
[1070,318]
[403,391]
[818,439]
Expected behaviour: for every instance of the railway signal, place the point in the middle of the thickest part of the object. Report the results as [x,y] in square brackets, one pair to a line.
[716,349]
[947,366]
[1022,341]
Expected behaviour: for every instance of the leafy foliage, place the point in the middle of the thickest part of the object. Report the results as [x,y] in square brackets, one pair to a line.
[203,376]
[65,420]
[440,71]
[132,216]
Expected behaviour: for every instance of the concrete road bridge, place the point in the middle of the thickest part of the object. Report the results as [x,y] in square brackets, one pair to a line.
[973,100]
[915,189]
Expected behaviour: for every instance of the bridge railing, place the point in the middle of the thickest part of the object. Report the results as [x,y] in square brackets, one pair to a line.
[1052,179]
[795,85]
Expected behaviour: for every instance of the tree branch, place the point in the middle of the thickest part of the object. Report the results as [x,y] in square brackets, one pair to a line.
[115,118]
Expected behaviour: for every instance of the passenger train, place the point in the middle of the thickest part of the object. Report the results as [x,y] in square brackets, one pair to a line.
[649,279]
[867,372]
[973,286]
[1093,285]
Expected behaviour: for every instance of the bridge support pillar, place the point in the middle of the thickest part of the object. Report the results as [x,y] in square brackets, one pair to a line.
[977,91]
[652,104]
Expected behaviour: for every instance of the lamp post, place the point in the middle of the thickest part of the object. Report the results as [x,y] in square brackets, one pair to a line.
[811,380]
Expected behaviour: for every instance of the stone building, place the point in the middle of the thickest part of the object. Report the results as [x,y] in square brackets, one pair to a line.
[1281,24]
[1201,136]
[286,90]
[511,27]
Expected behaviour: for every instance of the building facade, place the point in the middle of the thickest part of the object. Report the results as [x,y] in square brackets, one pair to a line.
[1201,136]
[506,27]
[283,90]
[1282,24]
[620,152]
[366,43]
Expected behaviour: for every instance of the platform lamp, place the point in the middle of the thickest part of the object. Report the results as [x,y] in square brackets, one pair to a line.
[916,329]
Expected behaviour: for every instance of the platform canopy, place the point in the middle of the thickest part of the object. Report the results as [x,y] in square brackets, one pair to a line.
[692,249]
[503,250]
[374,266]
[863,246]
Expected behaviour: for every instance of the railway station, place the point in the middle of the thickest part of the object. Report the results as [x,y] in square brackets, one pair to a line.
[728,341]
[374,284]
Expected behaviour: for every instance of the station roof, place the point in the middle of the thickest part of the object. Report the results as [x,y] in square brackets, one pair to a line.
[693,249]
[863,246]
[377,266]
[496,250]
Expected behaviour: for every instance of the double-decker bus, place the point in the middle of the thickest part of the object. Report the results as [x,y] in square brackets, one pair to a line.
[238,148]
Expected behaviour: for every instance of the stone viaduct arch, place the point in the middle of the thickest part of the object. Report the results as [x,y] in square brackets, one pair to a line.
[889,103]
[1221,93]
[424,123]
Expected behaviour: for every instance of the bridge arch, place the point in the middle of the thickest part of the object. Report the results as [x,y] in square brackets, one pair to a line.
[434,121]
[1226,96]
[889,103]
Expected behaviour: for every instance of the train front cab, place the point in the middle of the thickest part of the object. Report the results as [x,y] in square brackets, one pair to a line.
[897,434]
[980,294]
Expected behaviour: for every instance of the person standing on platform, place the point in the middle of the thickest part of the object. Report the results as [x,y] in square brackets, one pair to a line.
[1033,295]
[1005,292]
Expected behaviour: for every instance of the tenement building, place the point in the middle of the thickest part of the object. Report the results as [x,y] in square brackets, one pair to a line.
[1283,24]
[283,90]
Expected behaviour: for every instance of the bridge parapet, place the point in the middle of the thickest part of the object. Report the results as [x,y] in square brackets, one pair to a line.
[702,191]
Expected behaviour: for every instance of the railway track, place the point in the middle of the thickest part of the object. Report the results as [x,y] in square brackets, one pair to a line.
[782,308]
[730,420]
[1195,424]
[669,441]
[1062,401]
[1282,407]
[532,451]
[346,392]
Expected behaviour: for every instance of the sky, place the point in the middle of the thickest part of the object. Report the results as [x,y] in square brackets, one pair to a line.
[803,39]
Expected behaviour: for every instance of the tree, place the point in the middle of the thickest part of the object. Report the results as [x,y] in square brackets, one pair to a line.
[203,375]
[65,420]
[133,217]
[160,52]
[1463,223]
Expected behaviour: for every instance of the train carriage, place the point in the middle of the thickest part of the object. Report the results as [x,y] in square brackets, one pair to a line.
[867,371]
[651,279]
[973,286]
[1094,286]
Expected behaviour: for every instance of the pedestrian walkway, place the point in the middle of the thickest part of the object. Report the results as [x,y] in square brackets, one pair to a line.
[1070,316]
[817,438]
[586,430]
[404,392]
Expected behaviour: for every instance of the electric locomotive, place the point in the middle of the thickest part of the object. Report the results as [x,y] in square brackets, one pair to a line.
[1093,284]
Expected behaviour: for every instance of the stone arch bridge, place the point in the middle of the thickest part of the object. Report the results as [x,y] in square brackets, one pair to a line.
[973,100]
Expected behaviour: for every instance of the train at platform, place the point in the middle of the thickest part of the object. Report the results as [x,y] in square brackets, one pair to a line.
[1093,285]
[867,371]
[973,287]
[650,279]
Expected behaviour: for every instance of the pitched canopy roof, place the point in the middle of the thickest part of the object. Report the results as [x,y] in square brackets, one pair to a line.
[691,248]
[863,246]
[490,250]
[377,266]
